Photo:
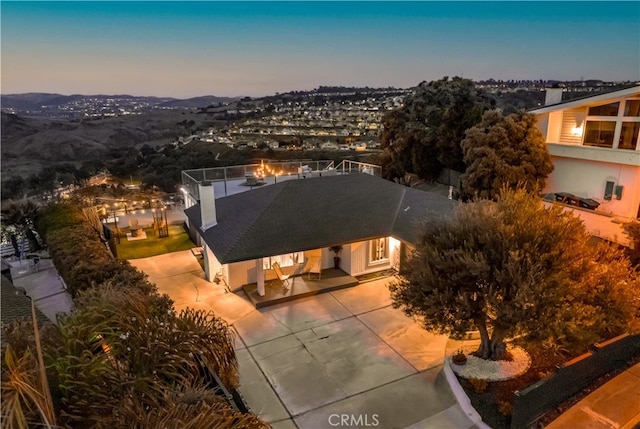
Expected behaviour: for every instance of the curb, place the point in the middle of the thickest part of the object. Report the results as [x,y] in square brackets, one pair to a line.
[461,397]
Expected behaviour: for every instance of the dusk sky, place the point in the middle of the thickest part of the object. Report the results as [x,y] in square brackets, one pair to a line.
[190,49]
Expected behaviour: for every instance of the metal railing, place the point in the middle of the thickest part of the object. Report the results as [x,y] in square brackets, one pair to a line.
[191,178]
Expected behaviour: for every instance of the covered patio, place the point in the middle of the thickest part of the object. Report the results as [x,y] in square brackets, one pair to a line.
[299,286]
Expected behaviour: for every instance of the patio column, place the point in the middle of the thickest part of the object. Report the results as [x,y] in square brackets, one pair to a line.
[260,277]
[208,258]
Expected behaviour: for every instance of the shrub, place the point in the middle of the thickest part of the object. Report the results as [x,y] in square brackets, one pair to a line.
[459,358]
[505,408]
[479,385]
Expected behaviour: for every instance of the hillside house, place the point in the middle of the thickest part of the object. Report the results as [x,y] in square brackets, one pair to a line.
[374,220]
[593,143]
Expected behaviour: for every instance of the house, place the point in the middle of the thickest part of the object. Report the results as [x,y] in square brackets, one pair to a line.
[374,220]
[593,143]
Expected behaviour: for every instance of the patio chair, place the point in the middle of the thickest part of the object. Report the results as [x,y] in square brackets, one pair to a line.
[315,267]
[284,278]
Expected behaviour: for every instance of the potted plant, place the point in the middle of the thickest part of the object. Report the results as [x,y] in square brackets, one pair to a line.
[459,358]
[336,259]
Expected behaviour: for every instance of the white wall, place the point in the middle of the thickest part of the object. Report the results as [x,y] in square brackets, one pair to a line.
[358,260]
[588,179]
[601,226]
[241,273]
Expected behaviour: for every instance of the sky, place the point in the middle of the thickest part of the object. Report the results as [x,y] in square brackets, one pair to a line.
[243,48]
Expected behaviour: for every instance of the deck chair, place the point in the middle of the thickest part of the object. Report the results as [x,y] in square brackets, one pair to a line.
[284,278]
[314,267]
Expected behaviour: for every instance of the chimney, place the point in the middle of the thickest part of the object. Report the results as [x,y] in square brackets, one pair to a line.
[207,205]
[553,96]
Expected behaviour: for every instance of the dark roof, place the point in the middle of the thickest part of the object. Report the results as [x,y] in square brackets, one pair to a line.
[612,92]
[308,214]
[15,305]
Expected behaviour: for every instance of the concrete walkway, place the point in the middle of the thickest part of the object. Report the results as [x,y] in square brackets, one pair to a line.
[340,359]
[43,285]
[616,404]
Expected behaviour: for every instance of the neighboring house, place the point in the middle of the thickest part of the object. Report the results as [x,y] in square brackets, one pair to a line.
[593,143]
[374,220]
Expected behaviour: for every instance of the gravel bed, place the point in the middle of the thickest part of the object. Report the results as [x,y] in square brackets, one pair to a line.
[494,370]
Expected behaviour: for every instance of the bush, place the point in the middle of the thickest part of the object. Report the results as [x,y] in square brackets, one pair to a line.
[81,257]
[505,408]
[479,385]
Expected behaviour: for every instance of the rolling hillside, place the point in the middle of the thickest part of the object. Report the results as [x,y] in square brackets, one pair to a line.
[30,143]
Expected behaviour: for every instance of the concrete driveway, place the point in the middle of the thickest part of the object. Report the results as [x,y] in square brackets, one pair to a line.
[340,359]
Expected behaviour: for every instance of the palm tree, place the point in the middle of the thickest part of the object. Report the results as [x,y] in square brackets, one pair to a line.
[125,350]
[26,399]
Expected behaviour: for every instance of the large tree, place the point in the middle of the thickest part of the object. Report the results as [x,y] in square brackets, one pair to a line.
[514,267]
[504,151]
[424,134]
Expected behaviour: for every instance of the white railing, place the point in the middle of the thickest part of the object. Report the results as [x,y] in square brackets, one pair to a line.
[267,170]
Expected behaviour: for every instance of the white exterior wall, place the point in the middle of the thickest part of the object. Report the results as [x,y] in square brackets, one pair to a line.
[585,170]
[354,260]
[358,261]
[586,178]
[241,273]
[601,226]
[211,264]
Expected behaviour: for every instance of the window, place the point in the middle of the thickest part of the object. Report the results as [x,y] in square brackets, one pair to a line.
[379,249]
[629,135]
[599,133]
[286,260]
[632,108]
[610,109]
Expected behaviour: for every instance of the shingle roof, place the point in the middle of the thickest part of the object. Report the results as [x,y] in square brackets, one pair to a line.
[598,96]
[15,305]
[308,214]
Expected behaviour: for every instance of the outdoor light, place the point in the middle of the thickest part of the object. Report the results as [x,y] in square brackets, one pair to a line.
[577,131]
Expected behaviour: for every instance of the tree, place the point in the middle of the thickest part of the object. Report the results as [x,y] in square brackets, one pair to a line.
[514,267]
[424,135]
[21,216]
[13,187]
[120,344]
[504,151]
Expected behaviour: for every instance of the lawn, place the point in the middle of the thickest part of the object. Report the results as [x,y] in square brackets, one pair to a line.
[177,240]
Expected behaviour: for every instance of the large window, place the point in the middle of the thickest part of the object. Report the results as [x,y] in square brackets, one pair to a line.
[379,250]
[632,108]
[610,109]
[629,135]
[613,125]
[286,260]
[599,133]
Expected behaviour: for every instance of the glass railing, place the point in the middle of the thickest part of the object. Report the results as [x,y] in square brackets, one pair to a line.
[264,170]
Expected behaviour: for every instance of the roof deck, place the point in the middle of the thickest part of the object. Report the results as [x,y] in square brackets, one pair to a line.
[241,178]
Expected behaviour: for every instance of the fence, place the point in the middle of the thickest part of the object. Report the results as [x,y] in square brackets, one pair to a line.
[449,177]
[191,178]
[571,377]
[7,250]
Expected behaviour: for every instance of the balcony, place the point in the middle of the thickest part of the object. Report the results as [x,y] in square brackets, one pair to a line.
[240,178]
[592,153]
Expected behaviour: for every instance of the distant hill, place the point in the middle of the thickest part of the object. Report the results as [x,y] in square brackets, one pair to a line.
[197,102]
[77,105]
[36,100]
[28,144]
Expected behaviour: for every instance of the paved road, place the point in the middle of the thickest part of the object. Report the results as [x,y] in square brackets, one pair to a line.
[340,359]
